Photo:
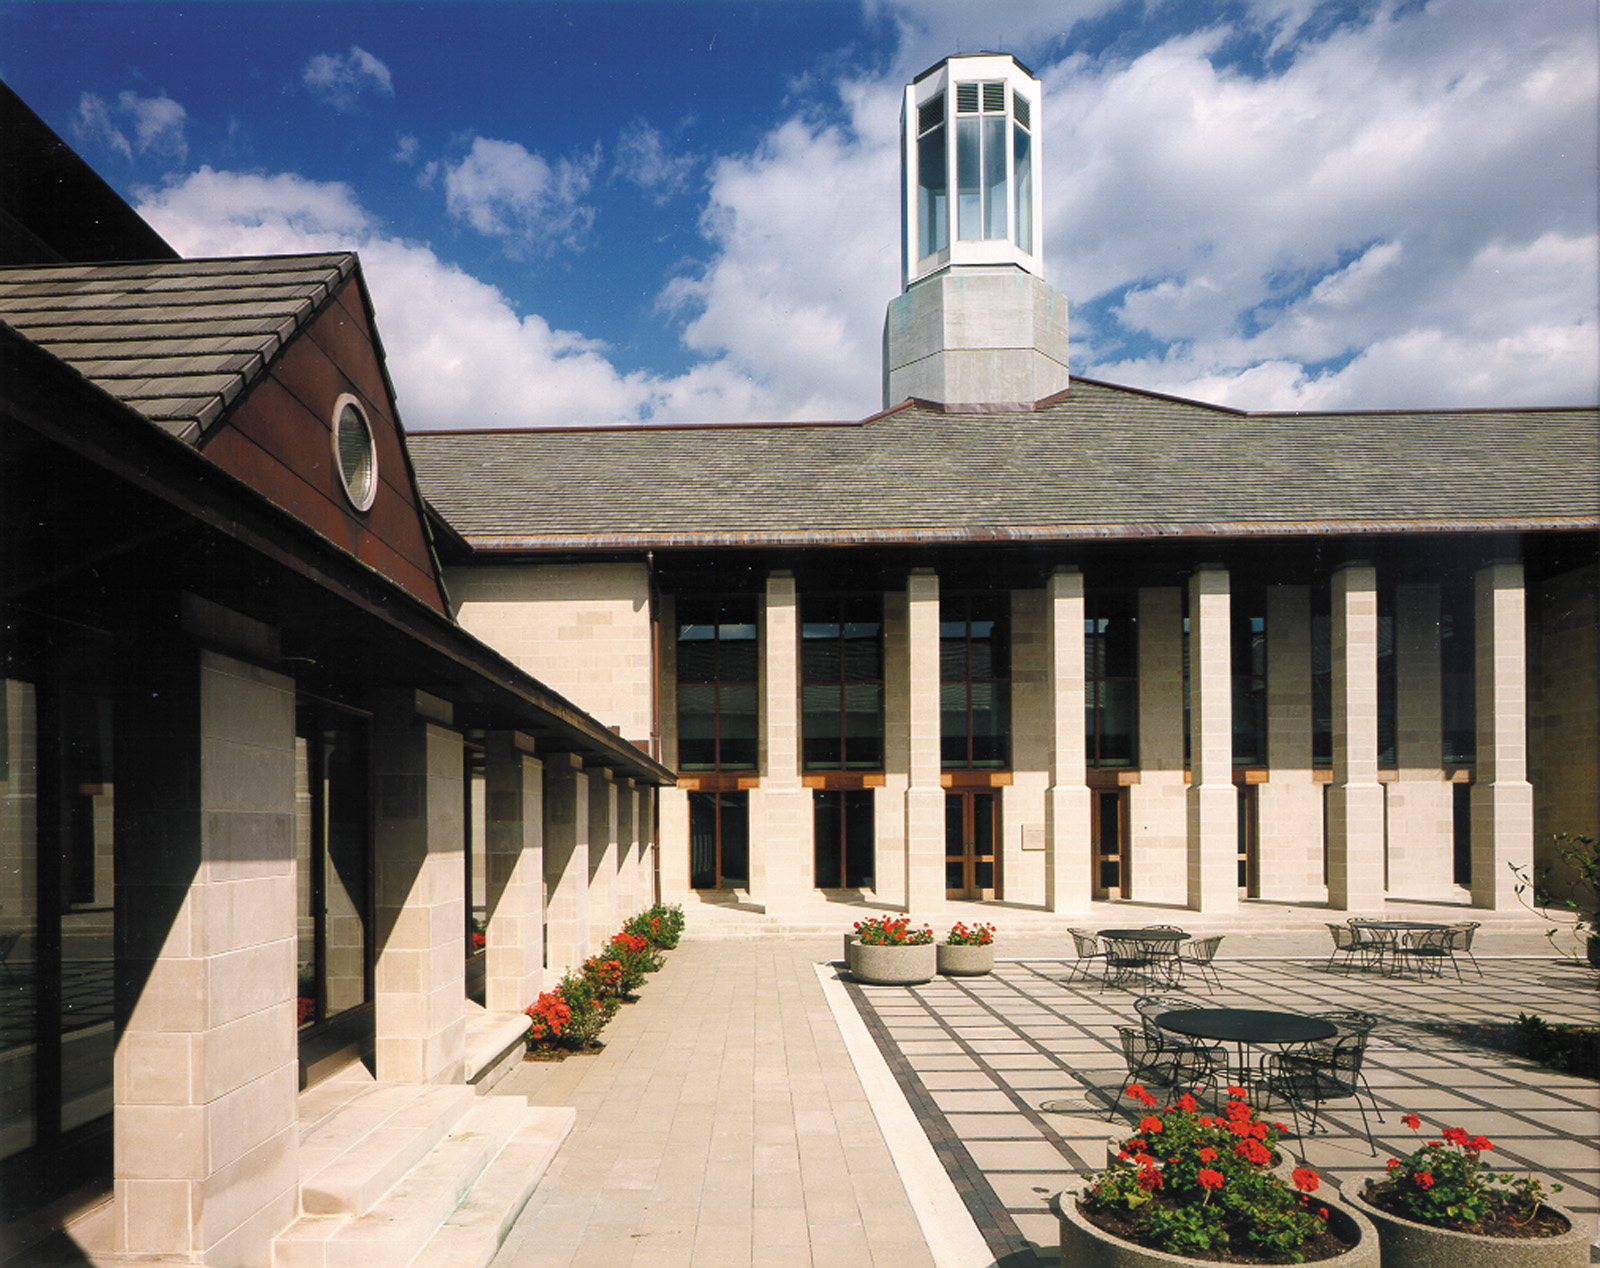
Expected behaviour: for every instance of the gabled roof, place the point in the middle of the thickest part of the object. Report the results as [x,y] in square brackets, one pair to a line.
[1097,461]
[178,340]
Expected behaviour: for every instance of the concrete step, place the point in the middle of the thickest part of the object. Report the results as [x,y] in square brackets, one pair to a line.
[496,1043]
[393,1229]
[374,1140]
[475,1230]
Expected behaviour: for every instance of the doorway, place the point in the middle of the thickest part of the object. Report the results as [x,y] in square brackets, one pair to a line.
[1109,831]
[971,837]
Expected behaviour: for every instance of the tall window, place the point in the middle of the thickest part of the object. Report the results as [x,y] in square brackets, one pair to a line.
[1248,646]
[841,668]
[1458,684]
[719,840]
[981,161]
[1111,680]
[975,680]
[844,853]
[933,184]
[334,851]
[1322,679]
[718,668]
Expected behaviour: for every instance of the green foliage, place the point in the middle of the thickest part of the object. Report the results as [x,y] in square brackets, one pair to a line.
[1576,892]
[970,935]
[1193,1183]
[660,925]
[1444,1183]
[892,931]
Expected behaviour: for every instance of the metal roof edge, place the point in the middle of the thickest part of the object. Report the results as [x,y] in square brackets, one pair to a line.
[535,543]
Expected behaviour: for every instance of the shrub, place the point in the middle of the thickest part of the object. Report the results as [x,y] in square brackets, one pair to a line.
[662,926]
[589,1011]
[547,1019]
[1446,1184]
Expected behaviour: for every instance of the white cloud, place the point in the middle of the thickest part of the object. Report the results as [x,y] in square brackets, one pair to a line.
[157,125]
[459,353]
[406,148]
[642,157]
[340,81]
[504,191]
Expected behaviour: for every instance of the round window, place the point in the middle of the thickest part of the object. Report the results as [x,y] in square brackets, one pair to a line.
[354,454]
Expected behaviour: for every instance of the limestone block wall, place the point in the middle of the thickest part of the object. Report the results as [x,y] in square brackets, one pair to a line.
[583,629]
[205,1074]
[1032,716]
[889,802]
[1289,805]
[1158,804]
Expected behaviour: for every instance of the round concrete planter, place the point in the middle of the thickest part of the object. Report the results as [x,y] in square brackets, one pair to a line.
[1085,1246]
[893,966]
[1407,1244]
[965,961]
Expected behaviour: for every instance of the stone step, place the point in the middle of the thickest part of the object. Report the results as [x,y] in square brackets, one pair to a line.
[374,1140]
[495,1046]
[475,1230]
[393,1230]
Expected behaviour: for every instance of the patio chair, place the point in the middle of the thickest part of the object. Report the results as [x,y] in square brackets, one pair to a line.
[1429,950]
[1349,942]
[1151,1060]
[1461,942]
[1309,1078]
[1150,1007]
[1199,954]
[1089,950]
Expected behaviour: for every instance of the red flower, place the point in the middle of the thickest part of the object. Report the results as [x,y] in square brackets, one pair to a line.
[1322,1214]
[1306,1180]
[1411,1121]
[1151,1125]
[1208,1154]
[1188,1104]
[1424,1180]
[1480,1145]
[1209,1179]
[1149,1178]
[1394,1164]
[1254,1151]
[1238,1092]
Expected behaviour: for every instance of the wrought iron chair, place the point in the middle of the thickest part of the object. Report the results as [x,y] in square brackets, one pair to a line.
[1126,958]
[1429,950]
[1151,1060]
[1199,954]
[1355,944]
[1089,950]
[1461,942]
[1150,1007]
[1308,1078]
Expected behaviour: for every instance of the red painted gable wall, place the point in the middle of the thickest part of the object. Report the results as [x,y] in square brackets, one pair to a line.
[279,439]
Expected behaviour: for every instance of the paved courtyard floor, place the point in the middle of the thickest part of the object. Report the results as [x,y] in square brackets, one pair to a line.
[758,1107]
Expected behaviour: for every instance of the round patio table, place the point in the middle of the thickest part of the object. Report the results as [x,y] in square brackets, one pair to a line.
[1389,943]
[1245,1026]
[1152,950]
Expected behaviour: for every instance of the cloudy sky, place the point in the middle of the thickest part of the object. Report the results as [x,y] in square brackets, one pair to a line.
[599,213]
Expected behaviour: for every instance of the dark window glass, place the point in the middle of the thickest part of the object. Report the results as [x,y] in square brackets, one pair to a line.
[1248,646]
[841,694]
[718,672]
[719,840]
[1458,684]
[844,840]
[1111,681]
[975,687]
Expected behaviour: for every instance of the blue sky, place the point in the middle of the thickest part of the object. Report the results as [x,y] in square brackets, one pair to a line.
[599,213]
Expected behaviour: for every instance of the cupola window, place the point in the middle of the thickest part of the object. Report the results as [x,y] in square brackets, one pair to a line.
[354,453]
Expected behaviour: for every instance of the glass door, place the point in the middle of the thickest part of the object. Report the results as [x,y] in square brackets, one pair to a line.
[971,834]
[1109,831]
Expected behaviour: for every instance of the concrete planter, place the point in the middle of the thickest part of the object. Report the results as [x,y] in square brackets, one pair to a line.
[1085,1246]
[893,966]
[1407,1244]
[965,961]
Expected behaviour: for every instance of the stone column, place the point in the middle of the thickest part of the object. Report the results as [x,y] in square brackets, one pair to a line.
[781,824]
[514,872]
[566,862]
[647,821]
[1421,806]
[1502,798]
[1067,862]
[206,1069]
[420,896]
[1289,804]
[1158,805]
[925,880]
[671,811]
[1213,800]
[602,856]
[1355,799]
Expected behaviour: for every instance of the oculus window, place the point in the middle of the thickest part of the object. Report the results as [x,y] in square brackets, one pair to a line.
[355,455]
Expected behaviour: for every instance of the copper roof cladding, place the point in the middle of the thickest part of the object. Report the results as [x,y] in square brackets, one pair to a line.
[177,340]
[1100,461]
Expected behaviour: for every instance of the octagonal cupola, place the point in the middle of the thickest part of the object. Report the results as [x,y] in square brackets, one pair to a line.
[976,324]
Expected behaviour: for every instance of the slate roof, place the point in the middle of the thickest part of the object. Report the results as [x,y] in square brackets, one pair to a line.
[1098,461]
[178,340]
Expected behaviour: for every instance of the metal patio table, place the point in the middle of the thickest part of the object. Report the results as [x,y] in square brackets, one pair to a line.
[1246,1027]
[1389,931]
[1148,953]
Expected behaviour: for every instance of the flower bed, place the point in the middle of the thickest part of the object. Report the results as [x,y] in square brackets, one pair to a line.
[571,1017]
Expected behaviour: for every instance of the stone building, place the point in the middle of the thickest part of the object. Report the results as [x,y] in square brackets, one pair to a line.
[1045,639]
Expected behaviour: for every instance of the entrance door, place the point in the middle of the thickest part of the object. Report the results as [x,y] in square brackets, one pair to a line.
[1109,830]
[971,836]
